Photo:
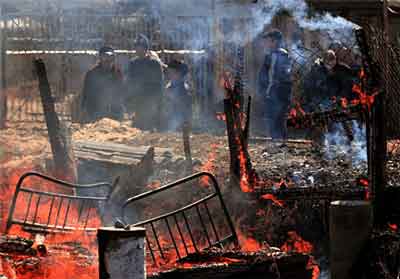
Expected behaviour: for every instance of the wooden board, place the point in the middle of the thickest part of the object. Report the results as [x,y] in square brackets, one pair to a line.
[116,153]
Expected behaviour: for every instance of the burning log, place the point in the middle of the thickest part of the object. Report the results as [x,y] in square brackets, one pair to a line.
[234,264]
[240,161]
[314,193]
[321,119]
[64,162]
[16,244]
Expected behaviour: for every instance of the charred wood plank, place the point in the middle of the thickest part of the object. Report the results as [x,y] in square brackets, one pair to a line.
[15,244]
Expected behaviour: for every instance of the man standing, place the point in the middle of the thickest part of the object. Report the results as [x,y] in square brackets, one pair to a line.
[327,82]
[274,84]
[145,83]
[177,100]
[102,90]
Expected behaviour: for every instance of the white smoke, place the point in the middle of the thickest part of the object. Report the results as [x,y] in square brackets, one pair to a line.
[260,15]
[337,144]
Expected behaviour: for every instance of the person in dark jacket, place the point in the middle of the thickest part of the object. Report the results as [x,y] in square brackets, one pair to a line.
[177,99]
[327,80]
[102,90]
[145,86]
[275,85]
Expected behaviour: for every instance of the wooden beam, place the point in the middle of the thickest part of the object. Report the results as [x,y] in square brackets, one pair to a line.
[64,163]
[3,85]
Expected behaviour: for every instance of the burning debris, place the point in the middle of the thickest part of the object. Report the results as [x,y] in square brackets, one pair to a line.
[213,204]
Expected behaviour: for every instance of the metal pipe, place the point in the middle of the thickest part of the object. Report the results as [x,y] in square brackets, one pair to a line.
[151,250]
[29,206]
[189,231]
[203,226]
[211,221]
[50,210]
[181,235]
[66,213]
[58,212]
[157,241]
[36,209]
[172,238]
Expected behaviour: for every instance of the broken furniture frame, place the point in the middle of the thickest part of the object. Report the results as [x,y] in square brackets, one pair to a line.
[60,222]
[173,216]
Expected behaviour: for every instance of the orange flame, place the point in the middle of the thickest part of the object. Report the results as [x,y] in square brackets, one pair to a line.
[273,199]
[296,112]
[51,266]
[365,183]
[364,99]
[296,244]
[209,166]
[281,184]
[393,227]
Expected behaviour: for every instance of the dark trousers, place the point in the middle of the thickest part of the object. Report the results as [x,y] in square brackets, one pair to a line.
[276,115]
[147,113]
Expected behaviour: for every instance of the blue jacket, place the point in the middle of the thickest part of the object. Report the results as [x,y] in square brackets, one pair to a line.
[274,79]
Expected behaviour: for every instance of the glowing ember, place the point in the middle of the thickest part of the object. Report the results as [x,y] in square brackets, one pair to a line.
[315,268]
[248,243]
[51,265]
[296,244]
[393,227]
[364,99]
[273,199]
[214,260]
[364,183]
[245,179]
[295,113]
[209,166]
[281,184]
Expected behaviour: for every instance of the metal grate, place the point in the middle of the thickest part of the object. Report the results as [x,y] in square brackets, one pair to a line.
[49,211]
[179,221]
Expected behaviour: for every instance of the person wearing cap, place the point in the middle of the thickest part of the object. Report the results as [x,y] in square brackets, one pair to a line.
[102,90]
[145,87]
[177,108]
[274,84]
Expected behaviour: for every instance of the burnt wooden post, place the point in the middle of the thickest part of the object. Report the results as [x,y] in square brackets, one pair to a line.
[246,130]
[121,253]
[232,137]
[62,151]
[238,129]
[378,159]
[186,147]
[376,125]
[3,85]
